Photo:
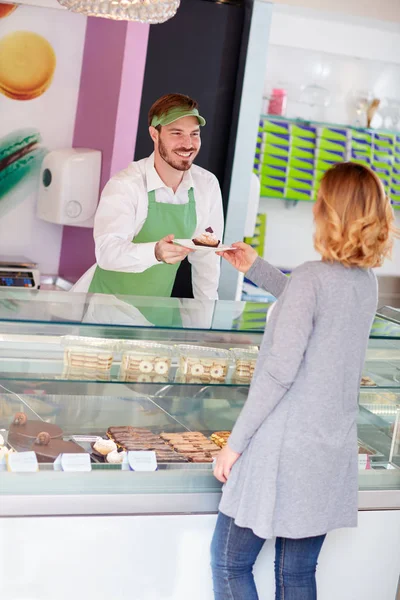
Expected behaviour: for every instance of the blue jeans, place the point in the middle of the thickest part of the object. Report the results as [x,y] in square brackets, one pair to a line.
[234,551]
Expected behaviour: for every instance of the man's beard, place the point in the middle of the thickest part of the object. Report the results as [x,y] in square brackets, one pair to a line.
[180,164]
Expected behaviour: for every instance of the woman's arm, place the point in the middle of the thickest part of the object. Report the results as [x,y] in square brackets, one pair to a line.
[246,260]
[277,369]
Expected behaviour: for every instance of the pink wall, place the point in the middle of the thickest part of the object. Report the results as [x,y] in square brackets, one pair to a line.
[107,115]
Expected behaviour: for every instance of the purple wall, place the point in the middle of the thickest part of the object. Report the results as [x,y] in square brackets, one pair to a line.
[107,115]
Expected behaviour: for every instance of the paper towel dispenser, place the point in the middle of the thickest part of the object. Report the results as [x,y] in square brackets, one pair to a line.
[69,186]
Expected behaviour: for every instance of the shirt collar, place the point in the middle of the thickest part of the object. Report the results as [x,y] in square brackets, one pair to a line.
[154,181]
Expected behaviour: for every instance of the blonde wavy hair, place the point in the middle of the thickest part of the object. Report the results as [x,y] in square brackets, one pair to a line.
[353,217]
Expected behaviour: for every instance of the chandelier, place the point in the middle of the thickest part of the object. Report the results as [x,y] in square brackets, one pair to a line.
[143,11]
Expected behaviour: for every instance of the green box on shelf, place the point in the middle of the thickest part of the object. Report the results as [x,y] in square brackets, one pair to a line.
[304,143]
[307,175]
[274,126]
[323,165]
[331,157]
[385,157]
[274,150]
[395,199]
[302,153]
[303,131]
[300,184]
[338,147]
[382,145]
[272,171]
[333,133]
[362,140]
[292,194]
[274,182]
[395,187]
[384,137]
[381,164]
[272,192]
[301,163]
[361,147]
[275,161]
[277,139]
[361,134]
[361,161]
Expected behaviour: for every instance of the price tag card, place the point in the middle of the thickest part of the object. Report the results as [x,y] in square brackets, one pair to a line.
[364,461]
[22,462]
[76,462]
[142,460]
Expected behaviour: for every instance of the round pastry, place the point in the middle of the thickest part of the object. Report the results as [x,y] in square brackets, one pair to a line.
[43,439]
[161,367]
[145,366]
[20,418]
[115,458]
[207,363]
[6,9]
[143,378]
[104,447]
[217,372]
[27,65]
[197,369]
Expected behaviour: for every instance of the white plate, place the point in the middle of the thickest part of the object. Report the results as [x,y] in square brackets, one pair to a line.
[192,246]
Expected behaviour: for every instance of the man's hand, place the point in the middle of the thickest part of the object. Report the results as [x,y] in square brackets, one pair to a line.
[224,463]
[167,252]
[242,258]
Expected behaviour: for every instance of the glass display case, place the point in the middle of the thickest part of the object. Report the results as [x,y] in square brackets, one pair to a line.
[176,371]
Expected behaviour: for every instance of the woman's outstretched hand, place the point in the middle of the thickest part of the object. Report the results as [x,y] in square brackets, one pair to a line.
[242,258]
[224,463]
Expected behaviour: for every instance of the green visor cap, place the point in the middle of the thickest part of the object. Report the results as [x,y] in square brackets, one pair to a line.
[176,113]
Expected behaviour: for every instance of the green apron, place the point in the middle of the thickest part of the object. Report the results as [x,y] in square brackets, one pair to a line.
[158,280]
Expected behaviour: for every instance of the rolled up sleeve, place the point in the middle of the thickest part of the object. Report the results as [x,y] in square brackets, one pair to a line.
[277,369]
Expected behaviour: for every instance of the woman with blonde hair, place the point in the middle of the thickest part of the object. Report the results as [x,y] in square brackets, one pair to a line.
[290,467]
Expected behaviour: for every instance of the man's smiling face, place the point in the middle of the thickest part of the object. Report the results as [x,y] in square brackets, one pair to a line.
[179,143]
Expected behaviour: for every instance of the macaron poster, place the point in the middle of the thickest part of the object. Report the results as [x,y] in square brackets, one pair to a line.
[41,51]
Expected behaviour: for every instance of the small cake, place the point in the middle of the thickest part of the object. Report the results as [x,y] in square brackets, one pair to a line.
[206,239]
[115,458]
[104,447]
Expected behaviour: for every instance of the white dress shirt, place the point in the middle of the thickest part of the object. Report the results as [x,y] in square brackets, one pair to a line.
[122,211]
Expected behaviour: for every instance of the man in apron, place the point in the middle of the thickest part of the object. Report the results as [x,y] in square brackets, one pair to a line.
[151,202]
